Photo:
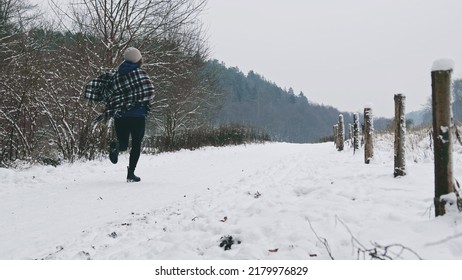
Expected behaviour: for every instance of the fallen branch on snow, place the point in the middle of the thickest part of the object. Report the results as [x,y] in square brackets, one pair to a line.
[321,239]
[378,252]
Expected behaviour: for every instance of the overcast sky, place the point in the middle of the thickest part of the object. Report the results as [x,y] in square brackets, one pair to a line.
[341,53]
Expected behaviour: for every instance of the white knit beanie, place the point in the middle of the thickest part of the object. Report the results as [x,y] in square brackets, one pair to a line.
[132,54]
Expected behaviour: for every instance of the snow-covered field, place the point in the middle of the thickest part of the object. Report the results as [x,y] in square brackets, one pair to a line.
[275,200]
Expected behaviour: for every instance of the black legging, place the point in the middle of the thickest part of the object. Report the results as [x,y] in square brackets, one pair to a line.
[135,127]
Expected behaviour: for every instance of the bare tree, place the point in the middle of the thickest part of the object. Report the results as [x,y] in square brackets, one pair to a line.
[15,15]
[117,24]
[18,55]
[43,70]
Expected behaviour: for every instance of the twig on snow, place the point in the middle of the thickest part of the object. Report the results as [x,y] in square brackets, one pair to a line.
[378,252]
[321,239]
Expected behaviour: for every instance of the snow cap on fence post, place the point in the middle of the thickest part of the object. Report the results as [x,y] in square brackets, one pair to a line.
[443,64]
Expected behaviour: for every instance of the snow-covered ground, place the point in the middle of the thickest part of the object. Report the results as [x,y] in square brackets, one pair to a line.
[275,200]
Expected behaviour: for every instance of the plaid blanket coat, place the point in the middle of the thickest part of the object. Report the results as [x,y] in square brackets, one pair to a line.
[120,92]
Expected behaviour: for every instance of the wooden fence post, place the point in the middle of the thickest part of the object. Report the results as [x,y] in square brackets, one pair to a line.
[336,136]
[341,133]
[350,132]
[400,135]
[368,135]
[355,132]
[442,142]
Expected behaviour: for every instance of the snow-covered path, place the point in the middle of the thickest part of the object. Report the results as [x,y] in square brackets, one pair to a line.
[277,201]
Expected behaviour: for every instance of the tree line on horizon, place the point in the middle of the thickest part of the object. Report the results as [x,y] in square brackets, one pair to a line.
[253,100]
[287,117]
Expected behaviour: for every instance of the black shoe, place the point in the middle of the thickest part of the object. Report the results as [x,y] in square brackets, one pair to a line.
[131,177]
[114,151]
